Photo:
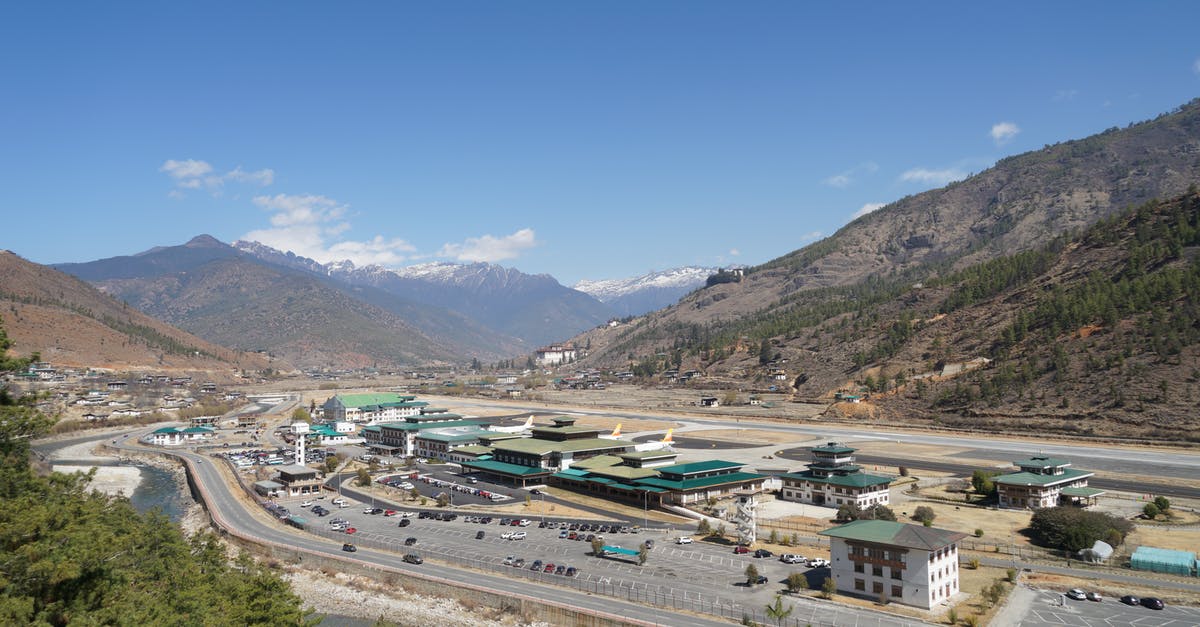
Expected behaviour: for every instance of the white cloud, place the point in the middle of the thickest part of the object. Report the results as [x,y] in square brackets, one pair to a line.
[187,169]
[308,224]
[195,174]
[1003,132]
[489,248]
[811,236]
[1065,94]
[867,208]
[733,252]
[933,177]
[847,178]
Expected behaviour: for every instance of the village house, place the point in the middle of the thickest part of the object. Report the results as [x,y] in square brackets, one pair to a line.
[909,564]
[554,354]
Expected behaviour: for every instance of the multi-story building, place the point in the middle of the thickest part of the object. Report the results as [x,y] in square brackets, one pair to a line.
[1044,482]
[833,479]
[909,564]
[372,408]
[554,354]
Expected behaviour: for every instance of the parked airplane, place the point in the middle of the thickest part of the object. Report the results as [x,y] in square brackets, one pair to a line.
[516,429]
[663,444]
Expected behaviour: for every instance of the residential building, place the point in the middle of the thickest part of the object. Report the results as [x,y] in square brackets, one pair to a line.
[1044,482]
[833,480]
[909,564]
[371,408]
[554,354]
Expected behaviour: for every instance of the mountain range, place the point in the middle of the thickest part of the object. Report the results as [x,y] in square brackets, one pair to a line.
[867,302]
[69,322]
[646,293]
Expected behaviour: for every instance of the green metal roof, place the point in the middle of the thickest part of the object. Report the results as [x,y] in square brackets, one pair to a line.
[165,430]
[536,446]
[695,467]
[504,468]
[625,472]
[417,426]
[854,480]
[448,437]
[896,534]
[643,455]
[834,448]
[358,401]
[703,482]
[474,449]
[1029,478]
[528,446]
[1041,462]
[571,473]
[599,461]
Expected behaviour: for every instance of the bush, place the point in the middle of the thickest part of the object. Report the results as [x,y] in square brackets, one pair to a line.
[797,582]
[1011,575]
[973,563]
[1162,503]
[1150,511]
[1072,529]
[924,514]
[952,616]
[979,533]
[828,588]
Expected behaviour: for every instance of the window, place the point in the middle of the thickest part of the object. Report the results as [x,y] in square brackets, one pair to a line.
[877,571]
[858,568]
[860,585]
[877,587]
[896,572]
[897,592]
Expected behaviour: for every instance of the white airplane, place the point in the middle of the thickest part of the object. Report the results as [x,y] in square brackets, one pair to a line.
[615,435]
[516,429]
[663,444]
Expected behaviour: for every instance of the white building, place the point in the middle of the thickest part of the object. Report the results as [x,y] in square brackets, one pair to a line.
[371,408]
[908,564]
[1044,482]
[833,479]
[554,354]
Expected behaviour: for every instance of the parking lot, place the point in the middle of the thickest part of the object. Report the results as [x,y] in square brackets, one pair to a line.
[699,571]
[1045,610]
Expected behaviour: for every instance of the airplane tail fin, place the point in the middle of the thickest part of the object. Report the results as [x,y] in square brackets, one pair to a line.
[528,423]
[617,432]
[667,438]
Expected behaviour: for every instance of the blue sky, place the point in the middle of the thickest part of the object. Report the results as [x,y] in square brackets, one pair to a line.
[594,141]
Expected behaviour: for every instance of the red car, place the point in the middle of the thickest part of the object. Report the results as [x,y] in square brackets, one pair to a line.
[351,530]
[739,549]
[389,512]
[549,568]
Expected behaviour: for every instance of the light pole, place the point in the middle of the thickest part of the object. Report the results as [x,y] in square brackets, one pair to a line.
[645,497]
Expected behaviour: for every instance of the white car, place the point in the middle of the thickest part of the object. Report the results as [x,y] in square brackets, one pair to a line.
[524,522]
[306,504]
[405,514]
[1077,594]
[791,558]
[817,562]
[518,535]
[683,540]
[339,501]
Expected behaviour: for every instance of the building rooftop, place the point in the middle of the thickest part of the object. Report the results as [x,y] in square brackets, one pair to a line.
[703,482]
[896,534]
[418,426]
[474,449]
[536,446]
[1030,479]
[644,455]
[834,448]
[853,480]
[1041,462]
[505,468]
[690,468]
[599,461]
[625,472]
[361,400]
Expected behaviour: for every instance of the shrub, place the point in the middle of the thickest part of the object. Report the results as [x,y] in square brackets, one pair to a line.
[1073,529]
[828,588]
[973,563]
[797,582]
[1150,511]
[924,514]
[979,533]
[1162,503]
[952,616]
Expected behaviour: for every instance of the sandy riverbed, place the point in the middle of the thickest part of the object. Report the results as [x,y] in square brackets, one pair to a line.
[108,479]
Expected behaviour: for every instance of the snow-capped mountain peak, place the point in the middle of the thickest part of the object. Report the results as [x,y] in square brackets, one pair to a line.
[637,295]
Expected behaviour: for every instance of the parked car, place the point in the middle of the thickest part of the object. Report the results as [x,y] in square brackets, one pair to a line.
[351,530]
[818,562]
[761,579]
[1153,603]
[1094,596]
[306,504]
[508,561]
[1077,594]
[413,558]
[410,541]
[479,535]
[683,540]
[520,563]
[549,568]
[349,548]
[739,549]
[763,553]
[560,570]
[389,512]
[536,565]
[571,571]
[1129,599]
[404,522]
[563,533]
[649,544]
[791,558]
[518,535]
[339,501]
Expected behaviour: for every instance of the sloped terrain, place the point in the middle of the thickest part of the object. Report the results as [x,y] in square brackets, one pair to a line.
[71,323]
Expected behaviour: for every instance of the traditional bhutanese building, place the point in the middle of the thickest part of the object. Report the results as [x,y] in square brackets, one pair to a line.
[1044,482]
[833,479]
[909,564]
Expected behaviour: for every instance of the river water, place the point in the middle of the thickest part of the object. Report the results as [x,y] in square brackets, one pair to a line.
[155,488]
